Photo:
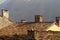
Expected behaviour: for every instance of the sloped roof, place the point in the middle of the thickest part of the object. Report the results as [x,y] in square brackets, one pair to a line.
[21,28]
[4,22]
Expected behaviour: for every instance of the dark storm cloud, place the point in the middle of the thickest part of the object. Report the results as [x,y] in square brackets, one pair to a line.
[20,9]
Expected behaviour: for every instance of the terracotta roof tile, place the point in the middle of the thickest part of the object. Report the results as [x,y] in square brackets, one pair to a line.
[21,28]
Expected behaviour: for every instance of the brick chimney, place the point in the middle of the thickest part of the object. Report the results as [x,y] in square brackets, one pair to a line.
[38,18]
[5,13]
[58,21]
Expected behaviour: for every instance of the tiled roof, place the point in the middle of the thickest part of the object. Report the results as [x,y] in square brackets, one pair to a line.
[21,28]
[4,22]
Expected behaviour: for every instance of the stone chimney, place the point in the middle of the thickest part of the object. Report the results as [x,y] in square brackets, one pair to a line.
[58,21]
[38,18]
[5,13]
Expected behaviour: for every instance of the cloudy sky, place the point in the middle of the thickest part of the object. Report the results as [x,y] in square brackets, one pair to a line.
[26,9]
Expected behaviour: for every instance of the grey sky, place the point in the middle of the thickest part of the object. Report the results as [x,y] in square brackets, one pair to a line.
[20,9]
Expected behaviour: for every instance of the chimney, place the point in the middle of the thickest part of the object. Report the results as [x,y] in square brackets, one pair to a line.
[38,18]
[23,21]
[58,21]
[5,13]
